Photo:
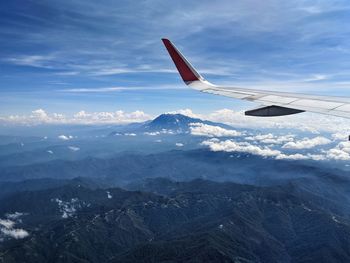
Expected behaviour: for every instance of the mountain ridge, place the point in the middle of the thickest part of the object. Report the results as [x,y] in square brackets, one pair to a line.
[168,123]
[230,222]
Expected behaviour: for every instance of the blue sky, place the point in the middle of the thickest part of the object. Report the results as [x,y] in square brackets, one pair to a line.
[67,56]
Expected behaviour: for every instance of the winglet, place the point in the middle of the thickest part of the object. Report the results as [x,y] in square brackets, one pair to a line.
[187,72]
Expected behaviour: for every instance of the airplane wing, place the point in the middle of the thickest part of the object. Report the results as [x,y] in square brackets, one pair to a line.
[273,103]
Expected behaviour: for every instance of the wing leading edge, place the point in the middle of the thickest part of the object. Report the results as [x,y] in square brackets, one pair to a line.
[273,103]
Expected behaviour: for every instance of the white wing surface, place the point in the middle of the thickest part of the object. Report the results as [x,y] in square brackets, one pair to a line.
[273,103]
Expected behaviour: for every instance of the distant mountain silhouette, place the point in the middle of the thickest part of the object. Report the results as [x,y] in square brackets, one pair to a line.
[175,122]
[171,123]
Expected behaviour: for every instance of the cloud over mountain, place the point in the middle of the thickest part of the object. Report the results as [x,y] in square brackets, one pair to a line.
[277,138]
[201,129]
[307,122]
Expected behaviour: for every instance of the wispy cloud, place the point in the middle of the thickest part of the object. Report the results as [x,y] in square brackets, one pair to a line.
[297,45]
[114,89]
[267,36]
[38,61]
[139,69]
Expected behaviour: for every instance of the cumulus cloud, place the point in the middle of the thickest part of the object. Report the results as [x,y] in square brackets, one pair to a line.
[16,233]
[40,116]
[340,152]
[130,134]
[187,112]
[307,143]
[232,146]
[64,137]
[341,136]
[152,133]
[7,223]
[298,156]
[201,129]
[7,227]
[306,122]
[279,141]
[245,147]
[271,139]
[73,148]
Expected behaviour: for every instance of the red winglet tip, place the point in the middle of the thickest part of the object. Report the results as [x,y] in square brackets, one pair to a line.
[186,71]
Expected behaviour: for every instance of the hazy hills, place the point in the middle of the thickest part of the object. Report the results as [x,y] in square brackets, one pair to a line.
[150,192]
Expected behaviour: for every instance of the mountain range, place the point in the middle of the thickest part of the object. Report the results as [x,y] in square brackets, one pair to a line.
[195,221]
[149,192]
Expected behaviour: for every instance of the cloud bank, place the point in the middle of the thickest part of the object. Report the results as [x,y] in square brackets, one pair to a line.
[40,116]
[201,129]
[341,152]
[300,137]
[307,143]
[306,122]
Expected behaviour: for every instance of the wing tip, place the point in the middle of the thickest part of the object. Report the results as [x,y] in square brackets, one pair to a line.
[187,72]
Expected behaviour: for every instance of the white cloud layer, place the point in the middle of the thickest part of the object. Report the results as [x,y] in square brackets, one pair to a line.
[201,129]
[305,122]
[280,140]
[307,143]
[40,116]
[232,146]
[271,139]
[340,152]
